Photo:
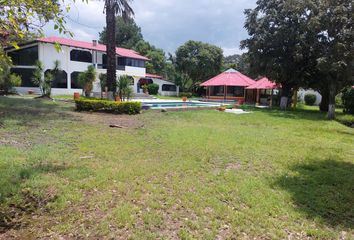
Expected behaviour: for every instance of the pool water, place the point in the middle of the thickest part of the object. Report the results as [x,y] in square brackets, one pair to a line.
[161,105]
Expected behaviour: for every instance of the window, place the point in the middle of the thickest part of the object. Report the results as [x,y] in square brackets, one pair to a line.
[169,88]
[122,61]
[60,79]
[75,80]
[26,76]
[25,57]
[239,92]
[81,56]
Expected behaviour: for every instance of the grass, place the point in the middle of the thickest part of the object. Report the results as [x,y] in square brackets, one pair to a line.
[187,175]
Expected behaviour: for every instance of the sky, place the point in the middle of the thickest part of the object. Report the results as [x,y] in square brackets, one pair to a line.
[168,24]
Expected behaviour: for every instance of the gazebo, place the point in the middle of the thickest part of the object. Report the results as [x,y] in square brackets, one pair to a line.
[229,85]
[260,88]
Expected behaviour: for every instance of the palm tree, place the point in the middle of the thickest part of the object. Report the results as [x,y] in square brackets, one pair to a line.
[113,8]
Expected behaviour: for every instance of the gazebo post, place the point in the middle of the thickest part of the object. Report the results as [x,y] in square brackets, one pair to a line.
[271,99]
[257,103]
[225,89]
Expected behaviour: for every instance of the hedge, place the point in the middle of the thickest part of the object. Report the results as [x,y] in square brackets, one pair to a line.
[348,100]
[108,106]
[310,99]
[186,94]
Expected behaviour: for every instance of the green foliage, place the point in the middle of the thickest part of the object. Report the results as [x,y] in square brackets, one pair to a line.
[303,44]
[183,81]
[277,31]
[240,63]
[7,80]
[103,81]
[157,62]
[199,61]
[153,88]
[339,101]
[86,80]
[310,99]
[128,33]
[186,94]
[348,100]
[124,88]
[108,106]
[44,81]
[20,19]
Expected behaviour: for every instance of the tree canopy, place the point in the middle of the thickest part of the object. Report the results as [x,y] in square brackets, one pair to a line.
[302,43]
[157,57]
[128,33]
[199,60]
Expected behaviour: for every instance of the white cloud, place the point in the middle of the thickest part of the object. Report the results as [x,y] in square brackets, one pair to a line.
[169,23]
[232,51]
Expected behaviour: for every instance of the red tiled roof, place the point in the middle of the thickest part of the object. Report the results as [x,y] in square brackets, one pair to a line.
[89,45]
[263,83]
[229,78]
[148,75]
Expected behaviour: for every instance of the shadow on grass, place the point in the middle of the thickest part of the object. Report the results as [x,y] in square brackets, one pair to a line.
[27,111]
[298,113]
[16,200]
[323,190]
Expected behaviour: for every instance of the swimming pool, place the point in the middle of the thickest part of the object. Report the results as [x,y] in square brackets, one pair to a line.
[177,105]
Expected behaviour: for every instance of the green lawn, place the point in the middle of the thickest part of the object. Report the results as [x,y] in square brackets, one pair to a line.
[175,175]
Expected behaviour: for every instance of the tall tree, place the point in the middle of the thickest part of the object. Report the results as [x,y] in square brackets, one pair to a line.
[199,61]
[277,44]
[157,57]
[128,33]
[334,49]
[112,8]
[22,18]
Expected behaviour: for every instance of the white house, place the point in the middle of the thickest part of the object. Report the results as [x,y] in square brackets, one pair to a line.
[75,57]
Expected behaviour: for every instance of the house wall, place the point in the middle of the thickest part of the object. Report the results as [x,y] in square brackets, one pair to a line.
[47,54]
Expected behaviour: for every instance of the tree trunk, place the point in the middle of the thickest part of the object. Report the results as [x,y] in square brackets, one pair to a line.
[111,48]
[325,97]
[286,91]
[332,102]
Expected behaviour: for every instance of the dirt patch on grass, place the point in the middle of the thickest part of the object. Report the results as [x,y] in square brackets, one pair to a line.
[106,119]
[17,214]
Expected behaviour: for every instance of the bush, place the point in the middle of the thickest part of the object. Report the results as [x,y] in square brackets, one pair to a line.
[153,89]
[310,99]
[348,100]
[108,106]
[186,94]
[339,102]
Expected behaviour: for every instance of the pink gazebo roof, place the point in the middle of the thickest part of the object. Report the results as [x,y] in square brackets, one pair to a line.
[229,78]
[263,83]
[89,45]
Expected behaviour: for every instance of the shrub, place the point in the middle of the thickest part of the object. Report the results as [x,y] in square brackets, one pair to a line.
[339,102]
[186,94]
[153,89]
[348,100]
[87,78]
[45,83]
[124,88]
[108,106]
[310,99]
